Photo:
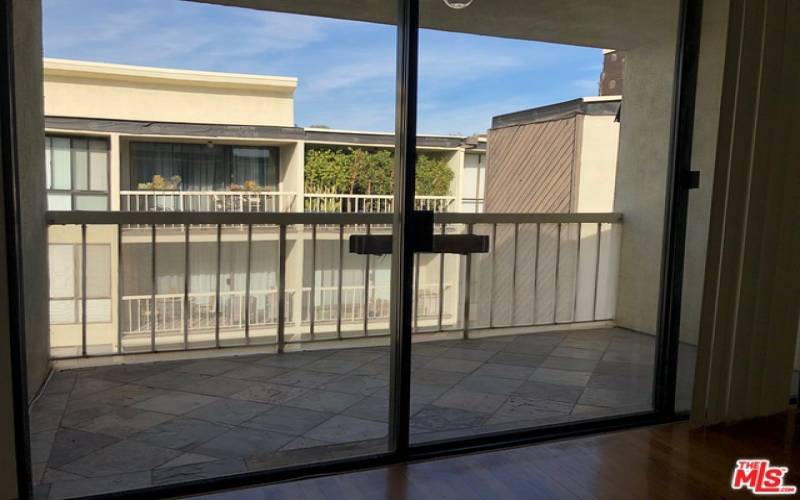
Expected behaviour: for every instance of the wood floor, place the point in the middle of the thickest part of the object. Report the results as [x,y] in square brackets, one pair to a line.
[669,461]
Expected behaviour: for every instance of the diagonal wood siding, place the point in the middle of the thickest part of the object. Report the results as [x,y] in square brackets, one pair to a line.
[531,167]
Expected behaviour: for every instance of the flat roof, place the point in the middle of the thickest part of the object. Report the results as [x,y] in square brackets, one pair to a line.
[209,79]
[593,106]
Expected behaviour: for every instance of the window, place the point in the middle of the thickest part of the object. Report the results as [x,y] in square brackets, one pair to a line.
[203,167]
[473,183]
[77,170]
[65,283]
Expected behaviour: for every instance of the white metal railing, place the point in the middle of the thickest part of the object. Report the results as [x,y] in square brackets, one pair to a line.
[370,203]
[327,306]
[541,269]
[207,201]
[170,314]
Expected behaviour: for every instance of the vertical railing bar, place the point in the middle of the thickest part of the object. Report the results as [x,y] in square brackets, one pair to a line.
[492,281]
[186,281]
[281,288]
[596,271]
[83,290]
[119,289]
[247,284]
[467,285]
[441,283]
[536,271]
[218,285]
[558,262]
[366,290]
[416,291]
[313,313]
[577,273]
[153,288]
[339,284]
[514,278]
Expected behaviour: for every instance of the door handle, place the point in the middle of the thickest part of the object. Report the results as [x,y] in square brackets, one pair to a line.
[424,240]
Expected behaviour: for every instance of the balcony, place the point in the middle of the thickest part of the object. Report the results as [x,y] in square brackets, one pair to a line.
[285,359]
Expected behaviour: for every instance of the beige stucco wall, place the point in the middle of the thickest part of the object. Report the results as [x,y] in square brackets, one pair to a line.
[94,90]
[641,180]
[598,142]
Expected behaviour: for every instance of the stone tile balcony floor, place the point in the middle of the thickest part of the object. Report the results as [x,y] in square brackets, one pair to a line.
[120,427]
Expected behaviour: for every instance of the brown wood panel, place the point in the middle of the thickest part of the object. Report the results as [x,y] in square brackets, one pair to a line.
[531,167]
[669,461]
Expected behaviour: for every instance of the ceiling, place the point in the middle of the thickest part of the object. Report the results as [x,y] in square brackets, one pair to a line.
[613,24]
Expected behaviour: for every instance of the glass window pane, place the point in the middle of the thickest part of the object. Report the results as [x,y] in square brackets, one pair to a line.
[47,160]
[99,171]
[98,311]
[59,201]
[98,271]
[81,166]
[91,202]
[62,271]
[63,312]
[62,166]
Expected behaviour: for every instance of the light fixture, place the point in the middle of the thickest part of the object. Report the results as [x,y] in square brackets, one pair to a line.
[458,5]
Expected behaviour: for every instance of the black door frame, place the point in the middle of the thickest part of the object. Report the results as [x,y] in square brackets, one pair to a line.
[399,450]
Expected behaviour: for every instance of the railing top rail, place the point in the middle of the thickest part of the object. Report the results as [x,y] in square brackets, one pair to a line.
[201,193]
[289,218]
[373,196]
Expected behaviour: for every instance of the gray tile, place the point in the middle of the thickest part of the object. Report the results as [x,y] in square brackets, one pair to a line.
[436,377]
[614,398]
[304,378]
[560,377]
[583,343]
[175,403]
[580,365]
[270,393]
[623,368]
[356,384]
[529,348]
[453,365]
[71,444]
[187,459]
[123,422]
[85,386]
[60,383]
[508,358]
[46,412]
[256,372]
[41,443]
[81,410]
[288,420]
[552,392]
[127,374]
[194,472]
[621,382]
[181,433]
[540,339]
[292,360]
[219,386]
[428,349]
[96,486]
[229,411]
[488,384]
[445,418]
[124,395]
[505,371]
[378,369]
[120,458]
[371,408]
[333,366]
[209,367]
[334,402]
[303,442]
[361,356]
[243,443]
[573,352]
[173,380]
[344,429]
[55,475]
[468,354]
[640,357]
[478,402]
[521,409]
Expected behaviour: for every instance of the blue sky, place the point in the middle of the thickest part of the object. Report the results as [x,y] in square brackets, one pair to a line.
[346,69]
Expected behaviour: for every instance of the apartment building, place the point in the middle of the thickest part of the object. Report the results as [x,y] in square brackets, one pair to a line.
[142,139]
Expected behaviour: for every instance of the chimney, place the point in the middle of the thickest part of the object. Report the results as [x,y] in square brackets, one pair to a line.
[613,70]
